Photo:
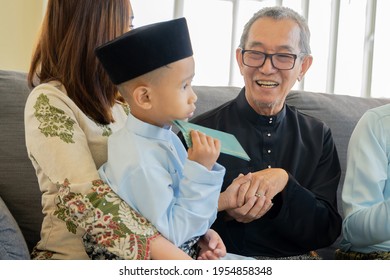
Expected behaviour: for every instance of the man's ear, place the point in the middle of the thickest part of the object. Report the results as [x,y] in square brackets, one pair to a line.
[306,63]
[142,97]
[239,59]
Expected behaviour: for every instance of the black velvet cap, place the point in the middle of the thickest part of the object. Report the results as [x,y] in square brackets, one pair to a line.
[145,49]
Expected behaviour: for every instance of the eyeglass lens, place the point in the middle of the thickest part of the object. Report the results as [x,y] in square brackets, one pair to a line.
[280,61]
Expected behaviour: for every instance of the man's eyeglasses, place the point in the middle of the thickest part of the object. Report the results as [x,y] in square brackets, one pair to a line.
[256,59]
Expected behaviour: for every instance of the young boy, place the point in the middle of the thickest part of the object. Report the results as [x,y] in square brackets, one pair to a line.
[147,165]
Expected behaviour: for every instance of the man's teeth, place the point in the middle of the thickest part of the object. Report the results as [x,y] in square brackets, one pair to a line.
[267,84]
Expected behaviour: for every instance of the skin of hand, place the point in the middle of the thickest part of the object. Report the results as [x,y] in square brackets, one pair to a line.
[231,197]
[211,246]
[163,249]
[266,184]
[205,150]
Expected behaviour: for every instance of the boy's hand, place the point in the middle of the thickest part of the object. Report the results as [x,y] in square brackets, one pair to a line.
[205,149]
[211,246]
[234,195]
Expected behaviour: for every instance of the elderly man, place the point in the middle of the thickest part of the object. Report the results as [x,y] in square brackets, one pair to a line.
[289,208]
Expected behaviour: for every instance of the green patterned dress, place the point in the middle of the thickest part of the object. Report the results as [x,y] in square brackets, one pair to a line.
[83,218]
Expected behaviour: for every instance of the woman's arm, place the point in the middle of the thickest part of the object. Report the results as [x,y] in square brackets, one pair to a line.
[162,249]
[211,248]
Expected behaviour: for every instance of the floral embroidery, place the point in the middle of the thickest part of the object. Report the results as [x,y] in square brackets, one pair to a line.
[106,129]
[54,121]
[126,108]
[113,229]
[41,255]
[351,255]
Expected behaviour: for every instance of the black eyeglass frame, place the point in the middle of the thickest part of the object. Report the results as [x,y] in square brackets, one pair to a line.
[270,56]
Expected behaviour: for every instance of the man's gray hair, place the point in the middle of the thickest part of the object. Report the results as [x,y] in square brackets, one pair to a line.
[278,13]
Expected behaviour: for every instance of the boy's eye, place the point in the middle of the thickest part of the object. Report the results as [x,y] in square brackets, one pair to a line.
[187,84]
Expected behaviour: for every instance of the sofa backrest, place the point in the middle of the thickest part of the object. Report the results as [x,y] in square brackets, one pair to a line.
[18,183]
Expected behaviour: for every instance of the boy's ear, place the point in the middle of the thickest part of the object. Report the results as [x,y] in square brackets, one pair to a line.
[142,97]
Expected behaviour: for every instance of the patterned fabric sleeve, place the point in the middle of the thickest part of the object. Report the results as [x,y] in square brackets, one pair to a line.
[113,229]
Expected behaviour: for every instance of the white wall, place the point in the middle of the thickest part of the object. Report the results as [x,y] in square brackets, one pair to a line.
[19,25]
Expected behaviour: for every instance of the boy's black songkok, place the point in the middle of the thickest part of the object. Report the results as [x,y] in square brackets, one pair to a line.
[145,49]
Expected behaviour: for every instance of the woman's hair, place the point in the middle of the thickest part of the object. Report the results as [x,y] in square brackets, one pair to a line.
[279,13]
[70,32]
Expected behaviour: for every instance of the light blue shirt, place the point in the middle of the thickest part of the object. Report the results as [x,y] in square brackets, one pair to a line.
[147,167]
[366,190]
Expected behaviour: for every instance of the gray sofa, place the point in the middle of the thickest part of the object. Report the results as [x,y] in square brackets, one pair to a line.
[18,184]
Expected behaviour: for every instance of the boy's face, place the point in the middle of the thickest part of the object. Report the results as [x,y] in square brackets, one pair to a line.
[173,97]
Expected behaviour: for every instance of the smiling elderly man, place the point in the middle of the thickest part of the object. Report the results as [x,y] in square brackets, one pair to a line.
[289,209]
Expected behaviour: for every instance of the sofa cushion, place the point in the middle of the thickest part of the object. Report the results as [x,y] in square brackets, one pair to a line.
[18,184]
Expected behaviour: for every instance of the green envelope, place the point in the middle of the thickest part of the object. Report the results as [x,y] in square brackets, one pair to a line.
[229,143]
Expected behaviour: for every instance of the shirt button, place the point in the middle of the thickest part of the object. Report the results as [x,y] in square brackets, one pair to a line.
[269,134]
[269,151]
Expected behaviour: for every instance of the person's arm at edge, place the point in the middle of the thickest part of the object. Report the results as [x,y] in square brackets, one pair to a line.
[162,249]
